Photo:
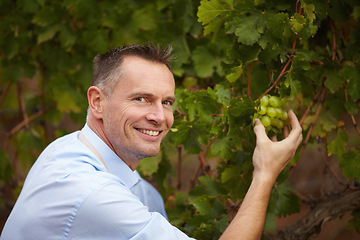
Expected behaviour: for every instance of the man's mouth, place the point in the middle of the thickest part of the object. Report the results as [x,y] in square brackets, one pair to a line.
[149,132]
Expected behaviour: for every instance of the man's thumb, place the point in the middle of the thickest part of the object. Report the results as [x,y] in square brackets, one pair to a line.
[259,129]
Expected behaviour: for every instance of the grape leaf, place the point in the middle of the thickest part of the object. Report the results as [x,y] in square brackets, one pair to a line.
[248,28]
[205,62]
[349,162]
[210,13]
[285,201]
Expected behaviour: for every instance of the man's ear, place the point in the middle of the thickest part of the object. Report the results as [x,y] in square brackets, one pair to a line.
[95,100]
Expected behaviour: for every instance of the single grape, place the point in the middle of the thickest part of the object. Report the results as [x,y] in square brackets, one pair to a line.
[274,101]
[284,116]
[280,124]
[266,121]
[274,122]
[264,101]
[284,103]
[279,112]
[262,110]
[271,112]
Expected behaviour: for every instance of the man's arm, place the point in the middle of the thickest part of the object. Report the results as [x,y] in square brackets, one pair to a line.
[269,158]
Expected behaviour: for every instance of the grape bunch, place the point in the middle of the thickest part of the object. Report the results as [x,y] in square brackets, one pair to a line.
[272,112]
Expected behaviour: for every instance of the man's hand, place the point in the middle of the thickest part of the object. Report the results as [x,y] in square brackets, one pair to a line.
[270,157]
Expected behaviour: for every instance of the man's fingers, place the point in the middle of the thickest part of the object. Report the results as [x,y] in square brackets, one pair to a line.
[285,131]
[259,130]
[296,129]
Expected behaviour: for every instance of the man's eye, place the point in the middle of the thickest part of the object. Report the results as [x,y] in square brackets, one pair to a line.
[167,102]
[140,99]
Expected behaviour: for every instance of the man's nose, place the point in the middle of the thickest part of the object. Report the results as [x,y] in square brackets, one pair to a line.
[156,113]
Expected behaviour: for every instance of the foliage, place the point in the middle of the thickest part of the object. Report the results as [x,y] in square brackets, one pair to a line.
[228,54]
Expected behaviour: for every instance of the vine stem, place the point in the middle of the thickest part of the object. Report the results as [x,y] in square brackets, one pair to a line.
[318,110]
[6,91]
[204,164]
[194,177]
[22,105]
[351,115]
[313,102]
[201,166]
[179,163]
[327,164]
[248,81]
[21,125]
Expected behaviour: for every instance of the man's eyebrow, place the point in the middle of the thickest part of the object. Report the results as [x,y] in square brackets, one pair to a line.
[150,95]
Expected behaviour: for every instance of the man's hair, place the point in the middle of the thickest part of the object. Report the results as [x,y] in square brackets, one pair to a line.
[107,66]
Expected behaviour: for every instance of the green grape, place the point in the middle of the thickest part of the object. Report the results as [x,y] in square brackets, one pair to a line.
[262,110]
[284,116]
[274,101]
[279,112]
[274,122]
[271,112]
[266,121]
[284,103]
[264,101]
[280,124]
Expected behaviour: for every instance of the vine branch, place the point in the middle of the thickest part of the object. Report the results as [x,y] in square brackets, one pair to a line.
[6,91]
[331,208]
[179,164]
[311,127]
[351,115]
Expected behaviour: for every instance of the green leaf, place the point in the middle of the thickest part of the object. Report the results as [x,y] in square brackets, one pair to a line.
[241,110]
[5,166]
[351,108]
[235,74]
[278,24]
[28,6]
[222,148]
[292,83]
[48,33]
[351,76]
[67,38]
[205,62]
[247,28]
[97,40]
[213,187]
[145,18]
[270,222]
[223,94]
[148,166]
[309,10]
[66,101]
[297,22]
[324,124]
[46,16]
[210,12]
[333,81]
[203,206]
[349,162]
[286,202]
[189,135]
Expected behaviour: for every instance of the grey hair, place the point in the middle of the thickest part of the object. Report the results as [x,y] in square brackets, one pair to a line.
[107,66]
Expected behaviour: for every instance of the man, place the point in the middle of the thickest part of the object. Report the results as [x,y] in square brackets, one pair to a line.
[84,185]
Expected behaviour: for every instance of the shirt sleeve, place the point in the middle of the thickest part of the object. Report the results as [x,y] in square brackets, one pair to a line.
[111,211]
[149,196]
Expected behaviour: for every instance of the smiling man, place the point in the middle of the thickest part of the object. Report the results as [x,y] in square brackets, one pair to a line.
[85,186]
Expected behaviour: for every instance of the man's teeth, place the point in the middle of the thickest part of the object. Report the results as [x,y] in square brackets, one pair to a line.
[149,132]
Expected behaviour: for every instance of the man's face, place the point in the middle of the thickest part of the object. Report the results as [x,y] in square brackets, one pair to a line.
[138,114]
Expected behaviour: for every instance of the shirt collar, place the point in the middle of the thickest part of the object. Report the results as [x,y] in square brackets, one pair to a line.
[115,164]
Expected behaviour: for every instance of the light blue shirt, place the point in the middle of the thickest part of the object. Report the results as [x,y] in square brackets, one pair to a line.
[68,194]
